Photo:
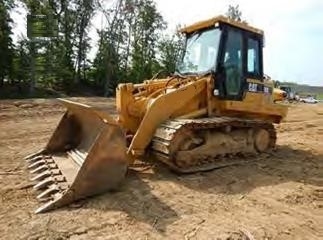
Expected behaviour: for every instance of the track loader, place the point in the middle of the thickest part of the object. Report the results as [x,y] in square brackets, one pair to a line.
[213,109]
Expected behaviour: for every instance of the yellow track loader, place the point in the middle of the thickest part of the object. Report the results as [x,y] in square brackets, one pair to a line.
[213,109]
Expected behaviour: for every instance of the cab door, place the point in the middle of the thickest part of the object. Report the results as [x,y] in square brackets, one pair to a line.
[231,74]
[254,64]
[240,61]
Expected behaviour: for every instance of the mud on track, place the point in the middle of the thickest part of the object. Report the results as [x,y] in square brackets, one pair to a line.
[279,196]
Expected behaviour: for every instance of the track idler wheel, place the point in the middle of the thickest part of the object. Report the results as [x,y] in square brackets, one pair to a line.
[262,140]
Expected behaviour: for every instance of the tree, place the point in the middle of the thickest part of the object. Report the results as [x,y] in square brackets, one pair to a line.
[64,55]
[21,63]
[131,46]
[62,47]
[128,45]
[84,13]
[147,31]
[6,45]
[110,65]
[106,67]
[234,13]
[170,50]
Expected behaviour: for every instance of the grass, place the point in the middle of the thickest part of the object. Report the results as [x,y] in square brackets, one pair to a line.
[319,96]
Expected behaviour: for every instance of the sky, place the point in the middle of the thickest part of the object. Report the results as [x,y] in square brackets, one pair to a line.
[293,31]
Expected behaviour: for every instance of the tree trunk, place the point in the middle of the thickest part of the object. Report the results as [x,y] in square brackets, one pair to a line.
[32,66]
[1,81]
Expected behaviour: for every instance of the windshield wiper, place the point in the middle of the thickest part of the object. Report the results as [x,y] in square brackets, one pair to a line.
[194,40]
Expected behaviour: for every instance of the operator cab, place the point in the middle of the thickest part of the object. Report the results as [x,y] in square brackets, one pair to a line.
[230,50]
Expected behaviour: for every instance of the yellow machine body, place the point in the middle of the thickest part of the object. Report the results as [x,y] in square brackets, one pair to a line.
[156,101]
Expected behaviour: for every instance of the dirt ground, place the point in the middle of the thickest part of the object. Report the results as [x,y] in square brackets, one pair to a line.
[280,196]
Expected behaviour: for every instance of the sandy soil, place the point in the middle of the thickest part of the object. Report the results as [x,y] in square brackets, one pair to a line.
[277,197]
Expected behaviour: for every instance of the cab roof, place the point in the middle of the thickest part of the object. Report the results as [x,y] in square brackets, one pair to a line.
[220,19]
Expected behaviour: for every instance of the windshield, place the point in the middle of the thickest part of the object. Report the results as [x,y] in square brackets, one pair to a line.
[201,52]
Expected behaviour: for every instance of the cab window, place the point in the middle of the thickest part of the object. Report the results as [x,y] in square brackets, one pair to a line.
[233,62]
[253,56]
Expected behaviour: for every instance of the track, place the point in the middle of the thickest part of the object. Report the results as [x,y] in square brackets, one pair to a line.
[169,136]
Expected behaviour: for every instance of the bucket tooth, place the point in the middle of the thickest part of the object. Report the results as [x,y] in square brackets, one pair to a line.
[52,202]
[34,159]
[36,154]
[44,200]
[48,192]
[44,183]
[47,206]
[40,169]
[36,164]
[41,176]
[45,174]
[49,180]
